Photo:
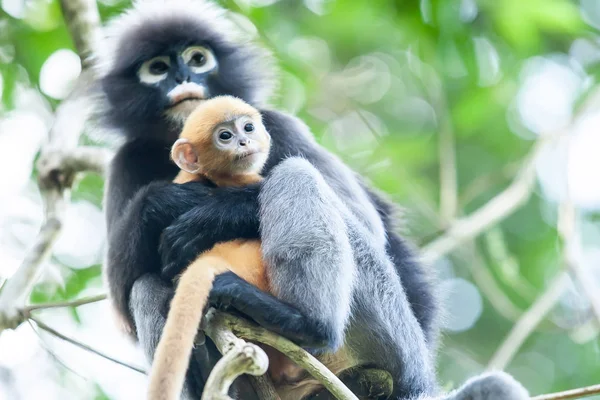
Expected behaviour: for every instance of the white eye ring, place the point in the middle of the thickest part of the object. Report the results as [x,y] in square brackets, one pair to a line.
[149,75]
[208,62]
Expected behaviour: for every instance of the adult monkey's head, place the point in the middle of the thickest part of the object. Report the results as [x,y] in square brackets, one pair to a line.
[161,58]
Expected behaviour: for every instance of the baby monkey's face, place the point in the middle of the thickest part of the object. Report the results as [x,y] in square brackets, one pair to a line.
[243,142]
[237,144]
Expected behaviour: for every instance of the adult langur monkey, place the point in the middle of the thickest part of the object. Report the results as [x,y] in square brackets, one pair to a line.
[341,274]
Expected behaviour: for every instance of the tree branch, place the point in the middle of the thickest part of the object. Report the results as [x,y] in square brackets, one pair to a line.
[58,164]
[62,304]
[247,330]
[83,22]
[448,170]
[239,358]
[59,335]
[492,212]
[567,220]
[570,394]
[528,322]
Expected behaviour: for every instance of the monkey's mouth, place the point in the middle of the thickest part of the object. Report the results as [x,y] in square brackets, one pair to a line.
[246,154]
[185,92]
[185,98]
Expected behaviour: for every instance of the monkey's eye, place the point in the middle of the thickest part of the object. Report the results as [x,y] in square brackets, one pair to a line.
[249,127]
[200,59]
[225,136]
[197,60]
[154,70]
[158,67]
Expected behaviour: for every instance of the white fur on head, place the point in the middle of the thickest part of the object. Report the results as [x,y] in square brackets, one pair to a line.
[143,11]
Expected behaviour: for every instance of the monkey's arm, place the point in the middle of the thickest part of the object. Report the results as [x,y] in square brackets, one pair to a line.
[226,214]
[231,213]
[130,255]
[141,297]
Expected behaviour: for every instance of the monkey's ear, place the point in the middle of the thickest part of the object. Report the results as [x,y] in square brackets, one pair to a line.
[185,156]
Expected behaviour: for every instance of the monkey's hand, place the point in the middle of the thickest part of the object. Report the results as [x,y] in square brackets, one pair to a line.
[232,293]
[225,214]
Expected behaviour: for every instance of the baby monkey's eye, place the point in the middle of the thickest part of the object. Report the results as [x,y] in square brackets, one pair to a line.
[225,135]
[249,127]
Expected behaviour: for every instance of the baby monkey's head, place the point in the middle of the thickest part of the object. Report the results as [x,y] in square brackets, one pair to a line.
[223,135]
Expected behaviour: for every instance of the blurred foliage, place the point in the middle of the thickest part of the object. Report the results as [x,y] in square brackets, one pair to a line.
[377,81]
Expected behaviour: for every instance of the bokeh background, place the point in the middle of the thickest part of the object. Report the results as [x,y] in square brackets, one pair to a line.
[439,103]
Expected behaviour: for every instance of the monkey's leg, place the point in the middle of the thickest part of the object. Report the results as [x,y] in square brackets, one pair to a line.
[305,246]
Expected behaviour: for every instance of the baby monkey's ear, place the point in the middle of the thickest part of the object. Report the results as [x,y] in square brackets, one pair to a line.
[185,156]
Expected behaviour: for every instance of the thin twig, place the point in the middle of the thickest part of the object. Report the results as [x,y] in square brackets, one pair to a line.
[570,394]
[61,304]
[486,182]
[542,306]
[487,284]
[529,321]
[448,172]
[59,335]
[492,212]
[247,330]
[52,354]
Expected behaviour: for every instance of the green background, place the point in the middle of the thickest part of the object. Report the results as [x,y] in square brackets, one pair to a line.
[378,81]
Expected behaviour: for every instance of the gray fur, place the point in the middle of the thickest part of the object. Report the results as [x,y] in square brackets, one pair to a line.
[490,386]
[304,240]
[307,233]
[310,237]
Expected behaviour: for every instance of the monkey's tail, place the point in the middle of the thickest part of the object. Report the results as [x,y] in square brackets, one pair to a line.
[172,355]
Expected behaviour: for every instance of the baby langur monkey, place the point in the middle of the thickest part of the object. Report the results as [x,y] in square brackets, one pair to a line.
[224,141]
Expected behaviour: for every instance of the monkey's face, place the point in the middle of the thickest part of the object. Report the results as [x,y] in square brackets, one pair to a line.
[182,78]
[165,67]
[236,146]
[244,144]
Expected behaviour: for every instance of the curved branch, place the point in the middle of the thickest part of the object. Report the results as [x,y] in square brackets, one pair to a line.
[249,331]
[238,358]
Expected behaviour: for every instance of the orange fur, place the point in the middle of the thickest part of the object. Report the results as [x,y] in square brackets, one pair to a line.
[243,257]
